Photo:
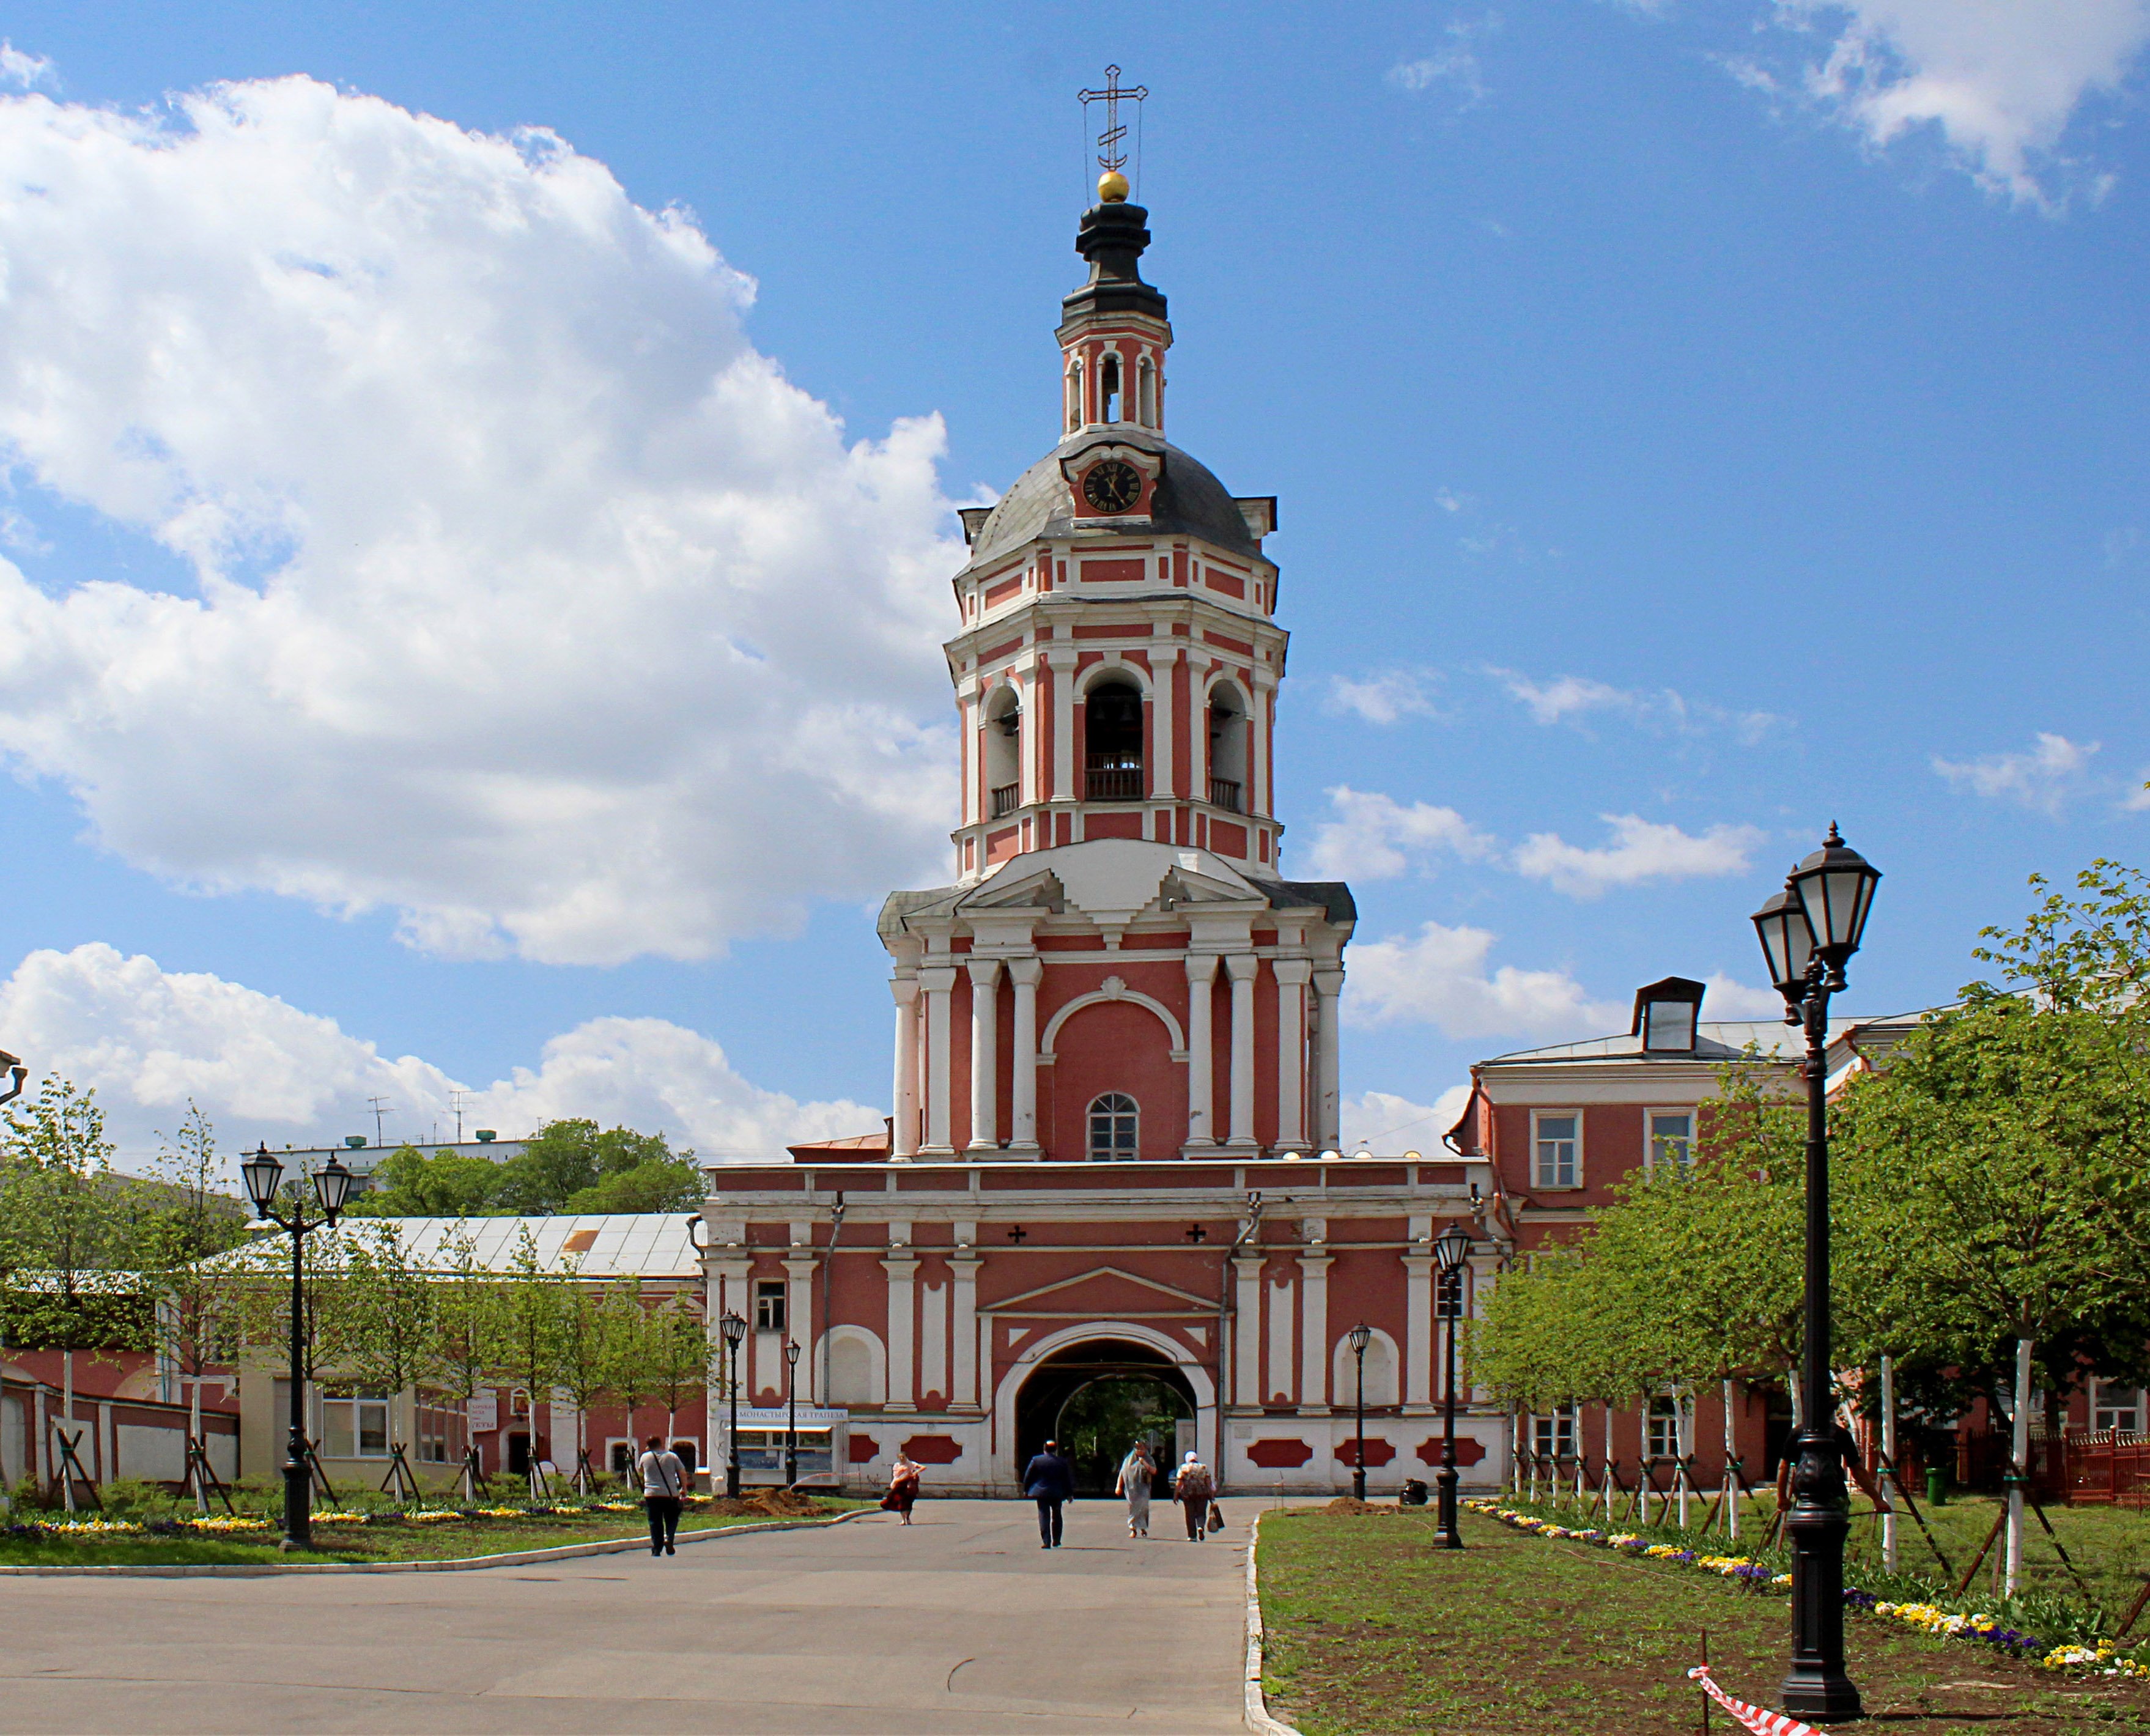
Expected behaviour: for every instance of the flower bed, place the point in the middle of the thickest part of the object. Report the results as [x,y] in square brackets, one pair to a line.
[2101,1657]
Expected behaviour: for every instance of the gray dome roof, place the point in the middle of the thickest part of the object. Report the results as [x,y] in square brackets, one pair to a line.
[1188,501]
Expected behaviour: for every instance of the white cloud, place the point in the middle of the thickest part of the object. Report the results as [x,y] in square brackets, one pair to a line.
[533,602]
[2046,778]
[1375,837]
[1728,998]
[1390,1125]
[1385,697]
[1454,64]
[1641,850]
[23,70]
[1439,976]
[149,1040]
[1572,699]
[1998,82]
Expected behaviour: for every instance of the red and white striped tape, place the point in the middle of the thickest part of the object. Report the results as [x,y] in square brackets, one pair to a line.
[1755,1717]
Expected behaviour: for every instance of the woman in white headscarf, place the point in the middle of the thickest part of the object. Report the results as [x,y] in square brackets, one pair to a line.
[1137,1474]
[1193,1488]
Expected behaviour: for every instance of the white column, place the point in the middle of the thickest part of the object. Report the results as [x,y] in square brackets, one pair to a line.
[1418,1324]
[1201,1047]
[963,1263]
[1243,967]
[985,1058]
[1291,975]
[966,711]
[906,1142]
[937,980]
[901,1266]
[1026,766]
[1247,1330]
[1023,1095]
[1258,798]
[799,1267]
[1062,664]
[1314,1329]
[1162,658]
[1327,985]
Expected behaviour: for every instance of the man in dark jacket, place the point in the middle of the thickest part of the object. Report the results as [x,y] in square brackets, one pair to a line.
[1049,1479]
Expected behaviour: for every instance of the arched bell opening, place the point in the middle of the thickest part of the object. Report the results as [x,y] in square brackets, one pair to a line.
[1112,741]
[1004,754]
[1227,747]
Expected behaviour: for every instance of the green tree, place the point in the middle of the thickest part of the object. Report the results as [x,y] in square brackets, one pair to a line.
[532,1300]
[632,1342]
[470,1323]
[587,1360]
[680,1356]
[449,1185]
[389,1318]
[573,1166]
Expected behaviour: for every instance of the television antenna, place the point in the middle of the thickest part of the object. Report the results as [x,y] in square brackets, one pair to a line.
[381,1107]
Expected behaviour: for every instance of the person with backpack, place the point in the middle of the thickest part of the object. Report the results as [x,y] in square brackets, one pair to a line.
[1193,1488]
[663,1488]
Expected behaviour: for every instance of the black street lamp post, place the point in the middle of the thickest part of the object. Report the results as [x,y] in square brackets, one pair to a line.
[734,1331]
[264,1176]
[791,1412]
[1359,1338]
[1450,1251]
[1809,931]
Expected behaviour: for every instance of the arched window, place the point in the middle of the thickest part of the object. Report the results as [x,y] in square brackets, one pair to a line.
[1227,749]
[1003,754]
[1074,397]
[1114,1125]
[1112,742]
[1108,387]
[1146,395]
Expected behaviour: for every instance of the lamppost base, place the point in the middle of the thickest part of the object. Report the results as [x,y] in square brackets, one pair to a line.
[1446,1534]
[1820,1697]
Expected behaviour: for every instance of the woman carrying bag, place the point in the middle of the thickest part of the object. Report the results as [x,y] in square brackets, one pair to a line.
[903,1486]
[1193,1488]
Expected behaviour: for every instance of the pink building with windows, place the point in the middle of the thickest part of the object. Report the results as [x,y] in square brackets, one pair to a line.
[1102,1204]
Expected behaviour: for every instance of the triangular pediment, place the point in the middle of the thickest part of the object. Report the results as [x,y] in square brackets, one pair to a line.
[1059,1290]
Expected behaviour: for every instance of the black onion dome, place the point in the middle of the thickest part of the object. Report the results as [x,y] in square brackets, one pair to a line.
[1188,500]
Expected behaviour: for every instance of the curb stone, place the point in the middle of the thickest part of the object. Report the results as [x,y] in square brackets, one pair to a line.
[1256,1706]
[511,1558]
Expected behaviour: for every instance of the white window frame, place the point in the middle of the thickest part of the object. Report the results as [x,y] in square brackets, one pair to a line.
[1090,1127]
[1560,1428]
[1680,1418]
[2099,1406]
[778,1317]
[1650,1135]
[1538,1117]
[354,1403]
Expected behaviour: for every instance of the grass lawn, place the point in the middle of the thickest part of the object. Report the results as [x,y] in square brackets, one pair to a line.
[1371,1629]
[378,1540]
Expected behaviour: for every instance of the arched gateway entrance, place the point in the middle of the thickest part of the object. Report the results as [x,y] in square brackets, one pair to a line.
[1096,1398]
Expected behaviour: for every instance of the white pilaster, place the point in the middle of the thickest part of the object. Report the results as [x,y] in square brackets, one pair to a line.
[1162,710]
[902,1266]
[1201,1048]
[933,1340]
[985,1069]
[964,1264]
[1314,1323]
[1328,986]
[1277,1383]
[1023,1094]
[798,1269]
[1243,967]
[1026,767]
[1292,975]
[1247,1330]
[1062,664]
[1418,1320]
[905,990]
[937,980]
[1260,799]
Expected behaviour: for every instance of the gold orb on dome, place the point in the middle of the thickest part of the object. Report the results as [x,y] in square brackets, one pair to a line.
[1112,187]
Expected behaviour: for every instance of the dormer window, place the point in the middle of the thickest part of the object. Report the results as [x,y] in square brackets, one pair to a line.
[1667,1014]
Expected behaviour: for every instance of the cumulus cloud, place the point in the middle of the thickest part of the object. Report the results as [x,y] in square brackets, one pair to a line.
[1386,696]
[1641,850]
[1377,837]
[2046,778]
[1439,976]
[1573,699]
[21,70]
[1388,1125]
[1730,999]
[529,600]
[1995,83]
[149,1040]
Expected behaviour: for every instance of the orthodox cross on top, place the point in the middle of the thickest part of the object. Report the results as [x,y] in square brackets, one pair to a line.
[1110,157]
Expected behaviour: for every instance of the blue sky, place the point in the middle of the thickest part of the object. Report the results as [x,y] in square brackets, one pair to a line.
[1692,423]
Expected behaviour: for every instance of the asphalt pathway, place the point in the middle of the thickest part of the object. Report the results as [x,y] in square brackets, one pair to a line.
[958,1623]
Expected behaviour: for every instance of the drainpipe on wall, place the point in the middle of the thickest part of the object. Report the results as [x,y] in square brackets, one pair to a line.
[828,1319]
[1248,1226]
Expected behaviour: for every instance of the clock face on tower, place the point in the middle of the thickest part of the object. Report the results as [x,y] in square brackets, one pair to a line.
[1112,486]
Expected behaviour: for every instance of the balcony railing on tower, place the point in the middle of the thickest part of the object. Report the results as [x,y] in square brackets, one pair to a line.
[1006,799]
[1225,793]
[1113,778]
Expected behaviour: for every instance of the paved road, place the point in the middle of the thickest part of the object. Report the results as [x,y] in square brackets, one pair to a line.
[960,1623]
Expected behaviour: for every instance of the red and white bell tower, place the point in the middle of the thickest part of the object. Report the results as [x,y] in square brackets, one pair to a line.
[1120,971]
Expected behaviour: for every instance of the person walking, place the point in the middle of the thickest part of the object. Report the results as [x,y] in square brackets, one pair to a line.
[1137,1477]
[663,1485]
[1193,1488]
[903,1485]
[1049,1479]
